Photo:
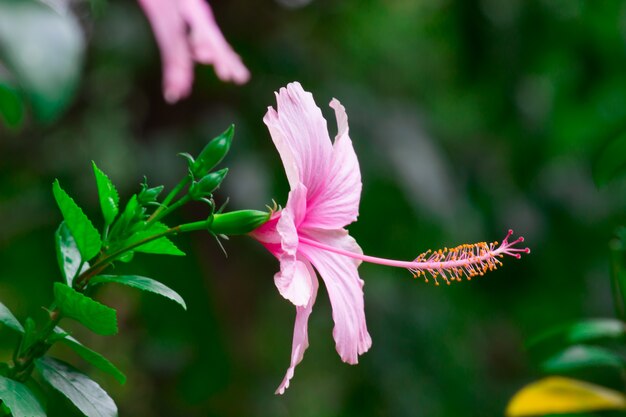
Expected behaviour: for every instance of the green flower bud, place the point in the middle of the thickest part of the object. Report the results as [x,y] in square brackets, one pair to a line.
[212,154]
[149,195]
[207,184]
[238,222]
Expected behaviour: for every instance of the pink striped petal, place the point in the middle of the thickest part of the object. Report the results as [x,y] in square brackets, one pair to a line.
[169,30]
[300,134]
[300,332]
[337,205]
[345,290]
[208,44]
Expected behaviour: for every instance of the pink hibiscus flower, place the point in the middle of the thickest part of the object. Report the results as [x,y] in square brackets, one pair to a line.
[186,31]
[309,234]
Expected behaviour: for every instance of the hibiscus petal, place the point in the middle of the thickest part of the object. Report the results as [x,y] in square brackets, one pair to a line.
[345,290]
[300,332]
[169,30]
[337,205]
[209,45]
[292,281]
[300,134]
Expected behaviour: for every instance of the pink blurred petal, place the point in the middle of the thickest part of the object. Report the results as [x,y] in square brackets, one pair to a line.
[186,31]
[338,203]
[345,290]
[169,30]
[300,332]
[209,45]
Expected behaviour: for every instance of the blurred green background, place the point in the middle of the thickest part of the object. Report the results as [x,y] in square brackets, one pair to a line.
[469,117]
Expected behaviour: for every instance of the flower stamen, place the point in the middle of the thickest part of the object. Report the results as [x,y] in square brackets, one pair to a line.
[467,260]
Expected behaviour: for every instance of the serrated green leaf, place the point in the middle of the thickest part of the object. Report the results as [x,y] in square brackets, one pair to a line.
[44,51]
[161,246]
[581,357]
[93,315]
[68,254]
[141,283]
[86,394]
[18,398]
[11,107]
[85,234]
[91,356]
[8,319]
[109,199]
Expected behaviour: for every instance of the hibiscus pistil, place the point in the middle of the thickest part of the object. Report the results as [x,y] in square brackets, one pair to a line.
[449,264]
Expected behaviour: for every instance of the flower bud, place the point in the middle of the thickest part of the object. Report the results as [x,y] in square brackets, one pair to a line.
[212,154]
[207,184]
[149,195]
[238,222]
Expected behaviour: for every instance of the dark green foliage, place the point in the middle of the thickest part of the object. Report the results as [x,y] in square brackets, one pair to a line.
[18,398]
[85,234]
[11,107]
[86,395]
[93,315]
[584,331]
[580,357]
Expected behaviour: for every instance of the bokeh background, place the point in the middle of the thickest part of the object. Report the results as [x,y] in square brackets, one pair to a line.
[469,117]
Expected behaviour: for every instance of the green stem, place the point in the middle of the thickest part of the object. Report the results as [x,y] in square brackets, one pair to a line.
[170,209]
[164,205]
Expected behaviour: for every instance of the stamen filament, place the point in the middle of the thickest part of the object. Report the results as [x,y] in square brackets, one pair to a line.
[450,264]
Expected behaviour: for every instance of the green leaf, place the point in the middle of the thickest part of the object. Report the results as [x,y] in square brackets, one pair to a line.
[161,246]
[557,395]
[44,51]
[584,331]
[581,357]
[8,319]
[11,107]
[68,254]
[142,283]
[93,315]
[18,398]
[109,199]
[86,236]
[91,356]
[86,395]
